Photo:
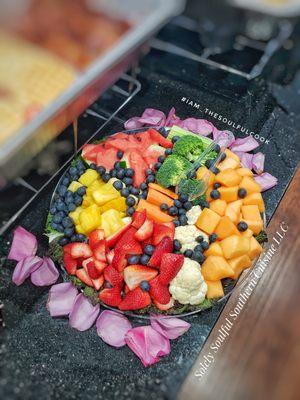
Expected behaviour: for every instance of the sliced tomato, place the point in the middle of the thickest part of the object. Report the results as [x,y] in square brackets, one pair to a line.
[144,139]
[107,158]
[139,165]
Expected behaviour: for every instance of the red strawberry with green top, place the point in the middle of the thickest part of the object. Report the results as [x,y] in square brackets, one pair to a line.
[159,292]
[135,274]
[158,138]
[145,231]
[138,218]
[98,283]
[162,230]
[96,236]
[169,267]
[111,297]
[135,300]
[83,276]
[165,246]
[79,250]
[70,264]
[112,276]
[99,251]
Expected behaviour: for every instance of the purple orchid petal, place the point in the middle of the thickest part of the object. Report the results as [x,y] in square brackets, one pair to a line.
[266,181]
[169,327]
[61,299]
[148,344]
[46,274]
[24,268]
[24,245]
[133,123]
[112,328]
[246,159]
[245,144]
[196,125]
[223,138]
[258,162]
[83,314]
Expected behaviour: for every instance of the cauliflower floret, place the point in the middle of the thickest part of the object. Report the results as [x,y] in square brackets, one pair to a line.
[187,235]
[188,286]
[193,214]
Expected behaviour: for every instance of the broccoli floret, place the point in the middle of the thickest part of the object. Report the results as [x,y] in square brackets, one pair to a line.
[172,170]
[210,156]
[189,147]
[191,187]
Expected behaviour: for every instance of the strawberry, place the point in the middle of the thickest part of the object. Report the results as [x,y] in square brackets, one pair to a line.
[162,230]
[138,219]
[135,274]
[96,236]
[159,292]
[100,265]
[126,289]
[81,250]
[135,300]
[164,307]
[113,239]
[83,276]
[110,256]
[99,251]
[67,248]
[92,271]
[98,283]
[165,246]
[145,231]
[70,264]
[128,244]
[169,267]
[119,261]
[111,297]
[112,276]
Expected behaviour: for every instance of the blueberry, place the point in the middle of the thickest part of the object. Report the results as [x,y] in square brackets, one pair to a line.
[117,165]
[129,187]
[68,194]
[143,186]
[120,173]
[145,286]
[71,207]
[113,173]
[217,185]
[183,220]
[181,211]
[157,165]
[60,228]
[77,200]
[80,165]
[52,210]
[106,177]
[215,170]
[173,210]
[93,166]
[144,195]
[63,241]
[57,218]
[107,285]
[120,154]
[101,170]
[204,245]
[209,163]
[188,253]
[161,159]
[69,232]
[242,226]
[188,205]
[144,259]
[135,191]
[215,194]
[213,237]
[73,171]
[176,222]
[73,238]
[125,192]
[168,152]
[66,181]
[62,190]
[61,206]
[199,239]
[67,222]
[118,185]
[130,211]
[128,181]
[54,225]
[175,138]
[81,191]
[198,248]
[69,200]
[149,171]
[130,201]
[198,256]
[177,245]
[164,207]
[133,259]
[149,249]
[204,203]
[81,238]
[217,148]
[177,203]
[150,179]
[242,193]
[223,156]
[183,198]
[129,172]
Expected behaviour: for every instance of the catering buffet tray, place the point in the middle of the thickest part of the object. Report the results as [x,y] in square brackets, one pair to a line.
[144,18]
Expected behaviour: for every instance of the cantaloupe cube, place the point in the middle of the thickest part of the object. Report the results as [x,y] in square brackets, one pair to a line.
[255,248]
[250,185]
[228,177]
[238,264]
[208,220]
[233,210]
[215,268]
[214,250]
[244,172]
[251,212]
[255,199]
[205,174]
[229,194]
[226,228]
[218,206]
[247,233]
[214,289]
[207,193]
[255,226]
[228,163]
[231,154]
[235,246]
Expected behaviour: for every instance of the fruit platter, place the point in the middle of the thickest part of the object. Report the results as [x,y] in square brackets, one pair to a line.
[160,219]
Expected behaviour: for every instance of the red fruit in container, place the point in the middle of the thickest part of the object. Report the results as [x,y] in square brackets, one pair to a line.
[113,239]
[111,297]
[162,230]
[100,265]
[139,165]
[99,251]
[70,264]
[169,267]
[158,138]
[83,276]
[135,274]
[159,292]
[138,218]
[165,246]
[107,158]
[110,256]
[96,236]
[135,300]
[113,276]
[98,283]
[145,231]
[92,271]
[119,261]
[81,250]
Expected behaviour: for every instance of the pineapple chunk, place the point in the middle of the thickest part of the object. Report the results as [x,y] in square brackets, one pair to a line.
[94,186]
[88,177]
[104,194]
[74,186]
[75,215]
[118,204]
[114,220]
[90,218]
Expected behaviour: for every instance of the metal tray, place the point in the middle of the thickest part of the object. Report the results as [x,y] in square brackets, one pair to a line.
[147,17]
